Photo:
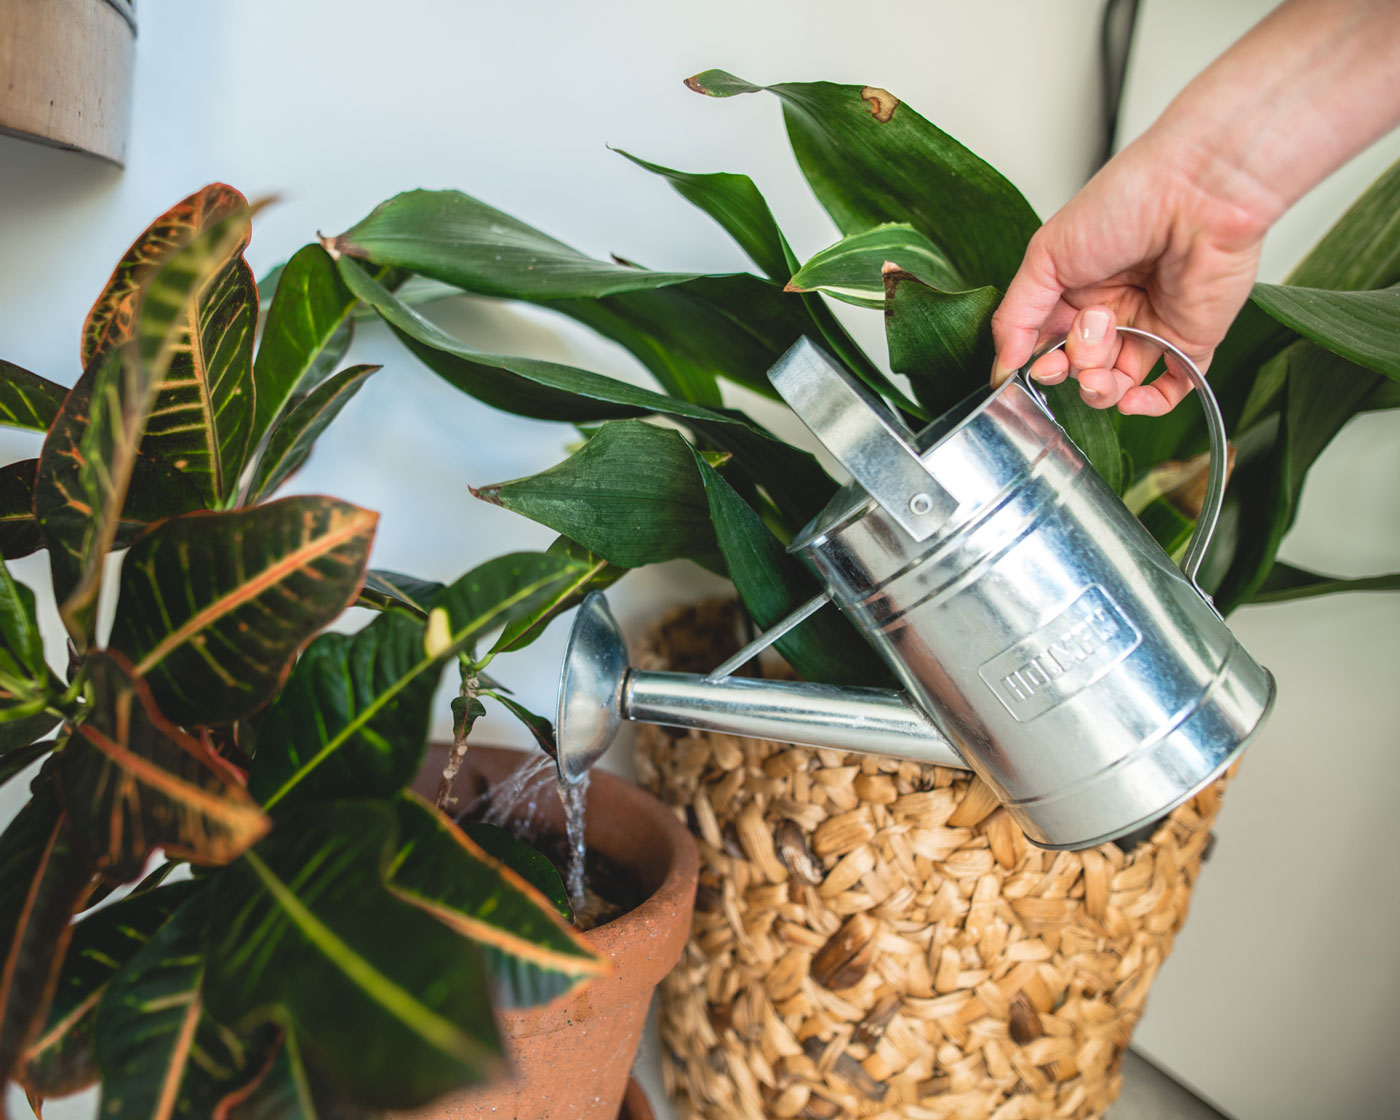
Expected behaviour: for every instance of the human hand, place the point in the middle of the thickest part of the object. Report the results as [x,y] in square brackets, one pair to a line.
[1163,238]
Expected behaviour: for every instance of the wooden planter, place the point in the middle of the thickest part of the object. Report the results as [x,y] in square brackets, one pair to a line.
[874,938]
[67,68]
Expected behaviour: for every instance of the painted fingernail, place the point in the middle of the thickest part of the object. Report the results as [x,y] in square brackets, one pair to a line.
[1094,326]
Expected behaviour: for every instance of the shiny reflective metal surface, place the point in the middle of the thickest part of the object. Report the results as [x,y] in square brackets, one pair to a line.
[1065,656]
[590,689]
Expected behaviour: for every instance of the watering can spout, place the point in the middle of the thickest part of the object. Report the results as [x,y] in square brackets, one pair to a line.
[598,690]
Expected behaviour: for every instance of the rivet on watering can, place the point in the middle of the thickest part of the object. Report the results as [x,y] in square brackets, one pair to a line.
[920,504]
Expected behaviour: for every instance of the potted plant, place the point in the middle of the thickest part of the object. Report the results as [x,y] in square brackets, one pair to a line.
[258,966]
[872,935]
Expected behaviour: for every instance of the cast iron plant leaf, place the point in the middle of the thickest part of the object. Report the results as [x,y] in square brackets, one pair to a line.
[214,605]
[1359,326]
[133,782]
[853,269]
[42,881]
[60,1060]
[532,952]
[289,941]
[940,340]
[161,1055]
[353,716]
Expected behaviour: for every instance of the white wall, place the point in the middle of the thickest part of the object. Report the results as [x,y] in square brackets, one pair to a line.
[1281,999]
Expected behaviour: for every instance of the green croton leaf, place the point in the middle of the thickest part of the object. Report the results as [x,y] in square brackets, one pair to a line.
[394,591]
[940,340]
[60,1060]
[853,269]
[772,584]
[289,941]
[453,237]
[871,159]
[594,574]
[26,683]
[1359,326]
[294,433]
[532,953]
[293,1088]
[28,400]
[527,862]
[19,530]
[630,494]
[19,757]
[214,605]
[338,726]
[41,883]
[133,782]
[307,333]
[160,1054]
[353,718]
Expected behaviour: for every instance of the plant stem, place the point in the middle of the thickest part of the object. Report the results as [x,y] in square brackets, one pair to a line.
[465,710]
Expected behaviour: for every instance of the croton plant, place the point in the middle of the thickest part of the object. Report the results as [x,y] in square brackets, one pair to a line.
[931,234]
[337,946]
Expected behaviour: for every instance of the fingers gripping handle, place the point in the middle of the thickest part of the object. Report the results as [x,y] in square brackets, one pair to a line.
[1215,426]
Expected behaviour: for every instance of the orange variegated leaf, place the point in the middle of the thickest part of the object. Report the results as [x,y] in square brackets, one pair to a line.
[133,782]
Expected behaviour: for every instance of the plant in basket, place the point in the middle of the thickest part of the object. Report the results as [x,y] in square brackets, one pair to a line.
[302,935]
[875,935]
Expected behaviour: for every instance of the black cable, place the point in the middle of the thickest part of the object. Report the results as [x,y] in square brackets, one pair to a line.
[1115,44]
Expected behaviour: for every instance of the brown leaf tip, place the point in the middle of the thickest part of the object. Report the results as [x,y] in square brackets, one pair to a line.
[692,83]
[490,494]
[882,103]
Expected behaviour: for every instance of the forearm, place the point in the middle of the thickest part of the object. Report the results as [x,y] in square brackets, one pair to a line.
[1312,85]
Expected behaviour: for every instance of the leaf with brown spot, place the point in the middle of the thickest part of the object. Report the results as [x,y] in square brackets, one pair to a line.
[41,883]
[133,782]
[112,319]
[213,606]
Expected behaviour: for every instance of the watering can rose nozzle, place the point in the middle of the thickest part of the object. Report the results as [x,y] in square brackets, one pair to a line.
[590,690]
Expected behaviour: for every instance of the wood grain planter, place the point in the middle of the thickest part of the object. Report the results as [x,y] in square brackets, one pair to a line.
[571,1059]
[66,67]
[873,938]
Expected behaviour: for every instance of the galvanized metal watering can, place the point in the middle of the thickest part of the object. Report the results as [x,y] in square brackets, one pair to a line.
[1043,638]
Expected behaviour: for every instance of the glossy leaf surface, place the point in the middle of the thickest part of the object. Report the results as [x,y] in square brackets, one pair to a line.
[630,494]
[289,941]
[1359,326]
[160,1053]
[940,340]
[594,574]
[61,1059]
[532,953]
[527,862]
[28,400]
[853,268]
[133,782]
[295,433]
[214,605]
[384,590]
[19,529]
[871,159]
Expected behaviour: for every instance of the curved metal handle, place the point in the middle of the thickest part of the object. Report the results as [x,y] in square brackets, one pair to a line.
[1215,426]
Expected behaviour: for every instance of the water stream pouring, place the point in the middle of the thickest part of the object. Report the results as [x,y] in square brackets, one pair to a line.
[1043,638]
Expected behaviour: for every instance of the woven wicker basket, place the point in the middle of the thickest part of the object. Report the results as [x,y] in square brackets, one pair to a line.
[875,938]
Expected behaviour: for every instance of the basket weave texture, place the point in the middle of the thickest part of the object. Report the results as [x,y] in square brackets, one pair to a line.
[875,938]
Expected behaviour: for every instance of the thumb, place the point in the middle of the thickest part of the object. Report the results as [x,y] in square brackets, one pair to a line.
[1030,298]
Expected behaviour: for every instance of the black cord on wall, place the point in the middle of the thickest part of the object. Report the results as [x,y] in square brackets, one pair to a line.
[1115,44]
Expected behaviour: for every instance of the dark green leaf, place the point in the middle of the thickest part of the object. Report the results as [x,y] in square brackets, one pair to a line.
[294,434]
[1285,582]
[853,269]
[16,759]
[28,400]
[541,728]
[41,883]
[1362,249]
[524,860]
[1386,396]
[367,694]
[458,239]
[293,1088]
[133,782]
[214,605]
[490,595]
[940,340]
[1092,429]
[736,204]
[307,332]
[60,1061]
[19,530]
[21,645]
[772,584]
[1363,327]
[112,320]
[160,1053]
[595,574]
[289,940]
[385,591]
[630,494]
[532,953]
[870,159]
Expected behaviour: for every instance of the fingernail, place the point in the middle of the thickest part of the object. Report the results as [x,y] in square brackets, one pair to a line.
[1094,326]
[1000,373]
[1090,395]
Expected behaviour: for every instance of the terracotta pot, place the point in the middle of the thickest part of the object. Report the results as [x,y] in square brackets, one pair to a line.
[571,1058]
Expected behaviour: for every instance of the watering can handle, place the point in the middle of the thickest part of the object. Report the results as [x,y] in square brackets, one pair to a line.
[1215,426]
